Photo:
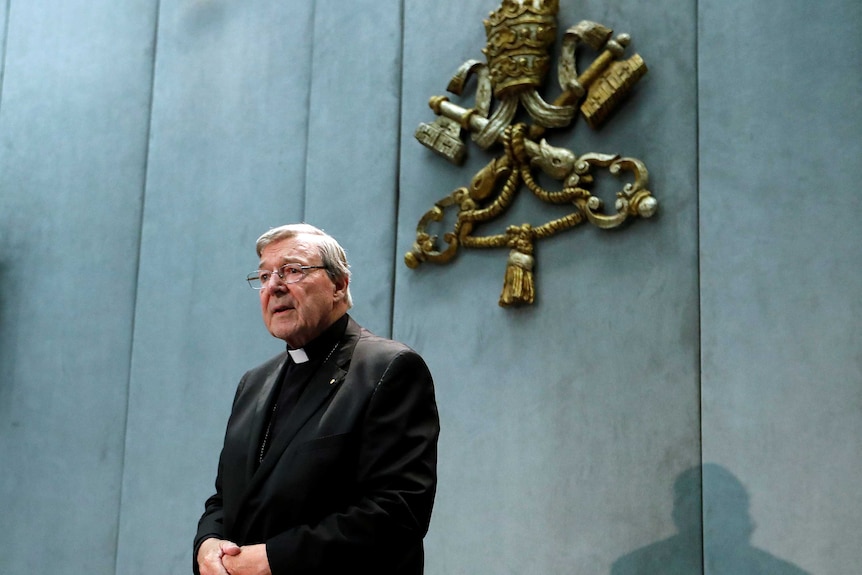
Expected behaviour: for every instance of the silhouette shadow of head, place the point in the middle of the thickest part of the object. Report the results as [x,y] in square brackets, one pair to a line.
[711,512]
[726,520]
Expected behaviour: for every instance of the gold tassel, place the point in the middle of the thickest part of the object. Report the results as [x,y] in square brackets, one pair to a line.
[518,288]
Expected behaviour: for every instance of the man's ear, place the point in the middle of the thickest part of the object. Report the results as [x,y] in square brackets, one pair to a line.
[341,288]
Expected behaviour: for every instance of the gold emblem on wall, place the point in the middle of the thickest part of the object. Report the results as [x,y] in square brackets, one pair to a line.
[520,35]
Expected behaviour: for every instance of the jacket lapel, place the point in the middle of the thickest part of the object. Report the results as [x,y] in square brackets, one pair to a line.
[263,404]
[322,385]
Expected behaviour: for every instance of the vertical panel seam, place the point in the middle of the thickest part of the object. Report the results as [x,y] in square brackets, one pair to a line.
[697,25]
[143,198]
[397,179]
[304,178]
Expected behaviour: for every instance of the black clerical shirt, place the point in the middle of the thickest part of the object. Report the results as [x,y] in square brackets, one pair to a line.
[295,376]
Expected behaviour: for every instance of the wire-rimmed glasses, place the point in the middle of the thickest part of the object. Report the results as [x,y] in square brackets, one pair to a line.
[288,273]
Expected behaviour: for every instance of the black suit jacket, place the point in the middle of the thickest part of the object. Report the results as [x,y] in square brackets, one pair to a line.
[349,483]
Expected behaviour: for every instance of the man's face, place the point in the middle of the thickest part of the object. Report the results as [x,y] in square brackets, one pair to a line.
[299,312]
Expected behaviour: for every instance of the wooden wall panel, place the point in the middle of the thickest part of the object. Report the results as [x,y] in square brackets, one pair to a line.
[226,162]
[354,110]
[145,145]
[73,117]
[564,425]
[781,120]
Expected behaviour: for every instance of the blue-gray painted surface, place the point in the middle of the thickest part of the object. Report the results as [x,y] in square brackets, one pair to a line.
[73,120]
[706,356]
[351,188]
[226,153]
[781,125]
[565,424]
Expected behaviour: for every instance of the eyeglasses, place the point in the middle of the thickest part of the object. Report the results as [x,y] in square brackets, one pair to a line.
[288,273]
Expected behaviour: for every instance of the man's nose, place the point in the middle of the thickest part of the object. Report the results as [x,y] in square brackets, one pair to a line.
[275,284]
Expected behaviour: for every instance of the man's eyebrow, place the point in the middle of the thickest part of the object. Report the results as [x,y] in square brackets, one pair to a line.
[284,260]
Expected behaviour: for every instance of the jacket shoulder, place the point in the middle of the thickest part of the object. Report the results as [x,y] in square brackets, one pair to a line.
[382,351]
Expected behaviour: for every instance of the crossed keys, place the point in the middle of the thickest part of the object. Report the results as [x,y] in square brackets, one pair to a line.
[520,34]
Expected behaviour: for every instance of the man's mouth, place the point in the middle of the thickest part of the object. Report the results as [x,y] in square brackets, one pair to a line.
[281,308]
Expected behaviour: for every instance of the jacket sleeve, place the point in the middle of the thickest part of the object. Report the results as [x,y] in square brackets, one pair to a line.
[211,523]
[382,527]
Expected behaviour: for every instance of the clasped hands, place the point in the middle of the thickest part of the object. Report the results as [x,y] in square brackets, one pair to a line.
[220,557]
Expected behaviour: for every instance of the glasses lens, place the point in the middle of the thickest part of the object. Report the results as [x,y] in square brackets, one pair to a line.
[288,273]
[255,279]
[291,273]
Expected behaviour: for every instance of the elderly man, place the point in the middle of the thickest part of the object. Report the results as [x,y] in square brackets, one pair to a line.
[329,458]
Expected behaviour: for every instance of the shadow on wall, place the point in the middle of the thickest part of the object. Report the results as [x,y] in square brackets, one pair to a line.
[726,533]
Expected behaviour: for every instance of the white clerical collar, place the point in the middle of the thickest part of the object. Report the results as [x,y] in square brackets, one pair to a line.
[298,355]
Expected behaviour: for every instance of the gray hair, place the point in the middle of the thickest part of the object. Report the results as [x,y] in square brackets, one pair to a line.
[332,255]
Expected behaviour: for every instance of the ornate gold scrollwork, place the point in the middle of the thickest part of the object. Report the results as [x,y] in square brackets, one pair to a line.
[519,36]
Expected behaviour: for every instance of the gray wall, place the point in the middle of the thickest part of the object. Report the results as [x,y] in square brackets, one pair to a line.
[677,382]
[781,270]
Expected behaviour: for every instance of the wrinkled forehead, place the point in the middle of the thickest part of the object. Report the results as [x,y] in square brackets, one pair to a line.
[302,249]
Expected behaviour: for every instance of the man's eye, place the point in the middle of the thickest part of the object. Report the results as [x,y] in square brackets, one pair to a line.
[264,276]
[292,270]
